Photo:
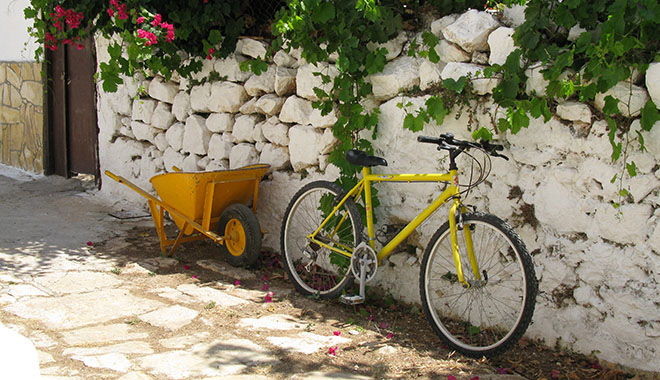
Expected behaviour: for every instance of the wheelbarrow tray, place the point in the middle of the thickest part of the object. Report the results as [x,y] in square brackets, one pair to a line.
[196,200]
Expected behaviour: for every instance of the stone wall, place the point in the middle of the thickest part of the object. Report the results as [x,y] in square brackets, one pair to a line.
[21,115]
[598,267]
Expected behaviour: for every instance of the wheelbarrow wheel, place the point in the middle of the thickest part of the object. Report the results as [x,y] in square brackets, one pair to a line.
[242,234]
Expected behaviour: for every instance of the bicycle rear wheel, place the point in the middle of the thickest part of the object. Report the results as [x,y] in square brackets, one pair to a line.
[314,269]
[492,314]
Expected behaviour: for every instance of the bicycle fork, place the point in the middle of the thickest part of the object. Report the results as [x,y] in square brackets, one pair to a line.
[456,212]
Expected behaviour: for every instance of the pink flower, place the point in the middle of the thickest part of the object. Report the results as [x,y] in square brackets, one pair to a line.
[139,20]
[451,377]
[194,276]
[237,282]
[337,333]
[111,12]
[185,267]
[210,55]
[332,350]
[383,325]
[114,3]
[122,12]
[157,19]
[389,336]
[269,297]
[264,286]
[60,11]
[170,34]
[89,244]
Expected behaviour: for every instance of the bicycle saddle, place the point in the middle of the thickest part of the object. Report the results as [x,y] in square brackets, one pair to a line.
[360,158]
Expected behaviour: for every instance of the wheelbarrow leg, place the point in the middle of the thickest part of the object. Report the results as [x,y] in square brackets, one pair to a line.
[178,239]
[158,213]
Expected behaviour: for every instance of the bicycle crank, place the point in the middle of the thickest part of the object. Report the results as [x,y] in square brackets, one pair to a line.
[364,264]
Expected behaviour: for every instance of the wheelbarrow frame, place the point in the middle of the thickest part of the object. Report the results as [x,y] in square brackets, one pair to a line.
[201,227]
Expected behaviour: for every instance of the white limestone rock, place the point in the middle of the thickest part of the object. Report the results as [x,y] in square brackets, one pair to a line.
[399,74]
[160,141]
[164,91]
[270,104]
[393,46]
[258,85]
[219,148]
[514,16]
[200,97]
[207,69]
[501,45]
[190,163]
[283,59]
[429,73]
[574,111]
[249,107]
[575,32]
[230,68]
[626,225]
[220,122]
[438,25]
[306,81]
[251,48]
[181,106]
[162,117]
[449,52]
[244,126]
[143,132]
[243,154]
[318,120]
[258,135]
[203,162]
[285,81]
[536,84]
[631,98]
[276,156]
[470,31]
[226,97]
[276,132]
[653,82]
[328,142]
[482,85]
[121,102]
[172,158]
[304,146]
[174,136]
[296,110]
[217,165]
[143,109]
[196,136]
[654,238]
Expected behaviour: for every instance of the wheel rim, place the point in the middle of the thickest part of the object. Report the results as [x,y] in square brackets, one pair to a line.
[322,274]
[235,240]
[480,318]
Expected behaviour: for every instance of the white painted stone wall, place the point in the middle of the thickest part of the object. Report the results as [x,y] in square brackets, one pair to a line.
[598,267]
[17,46]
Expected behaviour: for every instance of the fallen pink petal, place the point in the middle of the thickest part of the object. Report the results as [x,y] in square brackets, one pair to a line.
[186,267]
[474,378]
[237,282]
[383,325]
[193,276]
[264,278]
[89,243]
[502,371]
[555,373]
[269,297]
[332,350]
[337,333]
[264,287]
[451,377]
[389,336]
[371,317]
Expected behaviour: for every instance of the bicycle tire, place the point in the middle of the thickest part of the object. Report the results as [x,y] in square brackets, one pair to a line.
[484,319]
[315,270]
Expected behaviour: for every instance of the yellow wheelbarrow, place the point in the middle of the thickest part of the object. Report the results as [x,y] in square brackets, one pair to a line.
[200,203]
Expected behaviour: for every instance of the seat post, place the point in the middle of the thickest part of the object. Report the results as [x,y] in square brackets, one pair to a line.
[366,171]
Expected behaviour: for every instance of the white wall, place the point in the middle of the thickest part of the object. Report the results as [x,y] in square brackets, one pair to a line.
[14,32]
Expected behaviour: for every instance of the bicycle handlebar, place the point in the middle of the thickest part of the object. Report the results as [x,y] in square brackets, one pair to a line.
[448,142]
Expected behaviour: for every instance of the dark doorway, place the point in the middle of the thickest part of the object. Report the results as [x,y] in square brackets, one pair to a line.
[71,126]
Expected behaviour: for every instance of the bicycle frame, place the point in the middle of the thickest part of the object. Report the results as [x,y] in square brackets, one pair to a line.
[450,193]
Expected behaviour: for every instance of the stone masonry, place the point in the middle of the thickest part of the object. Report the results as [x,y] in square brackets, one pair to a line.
[21,116]
[598,266]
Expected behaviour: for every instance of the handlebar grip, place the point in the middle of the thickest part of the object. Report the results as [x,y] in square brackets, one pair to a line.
[428,139]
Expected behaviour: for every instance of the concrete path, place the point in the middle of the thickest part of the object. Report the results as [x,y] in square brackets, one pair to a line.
[96,314]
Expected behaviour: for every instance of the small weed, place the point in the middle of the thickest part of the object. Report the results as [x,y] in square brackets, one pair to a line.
[309,327]
[116,270]
[210,305]
[151,274]
[133,321]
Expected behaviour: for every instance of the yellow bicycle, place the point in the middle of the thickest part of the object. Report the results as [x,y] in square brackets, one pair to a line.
[477,281]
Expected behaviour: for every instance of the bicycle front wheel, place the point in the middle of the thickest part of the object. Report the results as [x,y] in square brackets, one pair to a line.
[495,310]
[316,269]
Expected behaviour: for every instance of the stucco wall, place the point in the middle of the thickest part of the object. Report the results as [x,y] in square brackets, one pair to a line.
[597,266]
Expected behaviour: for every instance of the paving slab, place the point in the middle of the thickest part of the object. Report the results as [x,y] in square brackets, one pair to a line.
[78,310]
[323,375]
[25,290]
[113,361]
[135,376]
[174,295]
[226,270]
[184,341]
[133,347]
[306,342]
[101,334]
[272,322]
[76,281]
[206,294]
[172,317]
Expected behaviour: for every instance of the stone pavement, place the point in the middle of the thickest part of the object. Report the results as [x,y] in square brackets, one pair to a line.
[96,314]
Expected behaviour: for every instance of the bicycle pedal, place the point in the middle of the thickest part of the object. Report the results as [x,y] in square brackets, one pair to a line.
[351,300]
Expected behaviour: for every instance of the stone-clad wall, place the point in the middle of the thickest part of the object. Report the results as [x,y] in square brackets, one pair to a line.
[21,115]
[598,267]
